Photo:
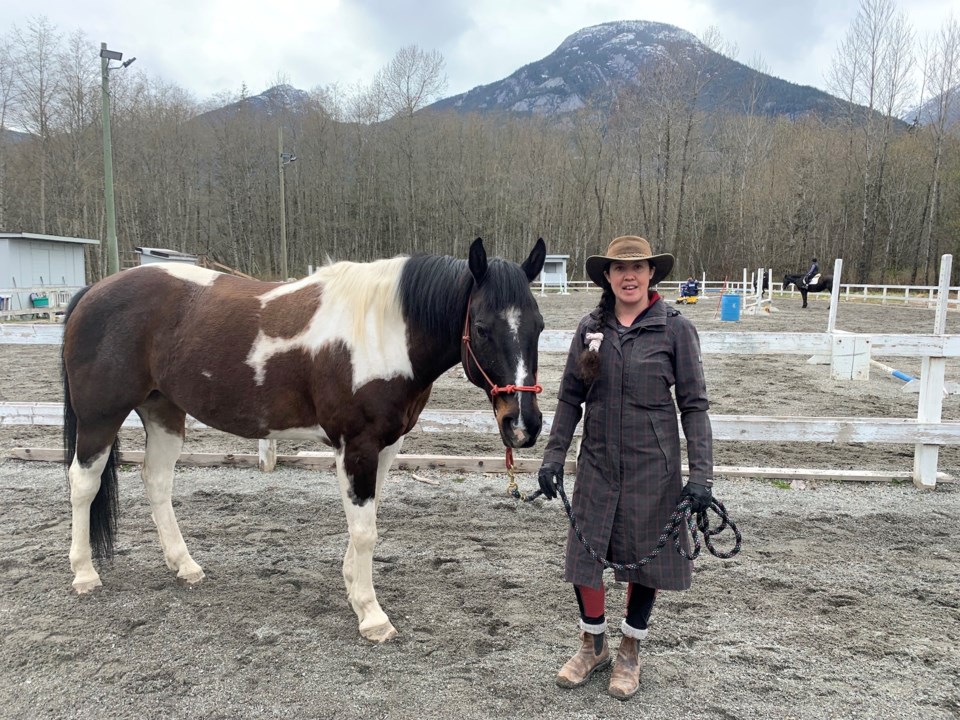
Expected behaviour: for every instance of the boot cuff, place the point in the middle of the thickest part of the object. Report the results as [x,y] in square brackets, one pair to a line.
[632,632]
[599,629]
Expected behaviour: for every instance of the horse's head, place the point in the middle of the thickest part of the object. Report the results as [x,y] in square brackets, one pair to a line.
[788,280]
[499,349]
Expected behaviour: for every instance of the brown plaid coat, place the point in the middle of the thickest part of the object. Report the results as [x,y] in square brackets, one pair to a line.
[628,469]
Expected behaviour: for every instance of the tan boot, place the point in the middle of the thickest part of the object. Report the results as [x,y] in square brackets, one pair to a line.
[625,678]
[593,655]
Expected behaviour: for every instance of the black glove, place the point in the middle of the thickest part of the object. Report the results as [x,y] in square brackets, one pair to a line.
[550,478]
[702,496]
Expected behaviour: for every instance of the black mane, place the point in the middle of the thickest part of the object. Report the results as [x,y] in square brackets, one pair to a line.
[433,285]
[430,285]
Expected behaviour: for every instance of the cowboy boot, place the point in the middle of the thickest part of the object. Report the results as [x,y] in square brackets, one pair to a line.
[625,678]
[593,655]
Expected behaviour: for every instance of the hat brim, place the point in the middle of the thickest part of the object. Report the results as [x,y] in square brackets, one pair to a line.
[663,265]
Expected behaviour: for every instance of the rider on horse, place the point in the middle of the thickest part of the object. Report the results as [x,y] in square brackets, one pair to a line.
[811,273]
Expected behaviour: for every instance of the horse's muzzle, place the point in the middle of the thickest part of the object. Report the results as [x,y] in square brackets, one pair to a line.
[519,423]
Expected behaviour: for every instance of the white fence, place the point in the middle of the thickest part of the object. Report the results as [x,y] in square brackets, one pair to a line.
[927,432]
[41,300]
[882,294]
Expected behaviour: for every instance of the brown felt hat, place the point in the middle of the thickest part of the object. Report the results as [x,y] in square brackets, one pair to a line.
[629,247]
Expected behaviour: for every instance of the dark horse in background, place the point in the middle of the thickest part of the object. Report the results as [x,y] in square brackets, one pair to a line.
[825,283]
[346,356]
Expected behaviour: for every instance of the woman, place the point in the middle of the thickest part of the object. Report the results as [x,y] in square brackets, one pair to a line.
[623,360]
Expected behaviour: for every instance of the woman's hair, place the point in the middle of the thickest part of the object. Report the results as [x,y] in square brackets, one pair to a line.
[590,359]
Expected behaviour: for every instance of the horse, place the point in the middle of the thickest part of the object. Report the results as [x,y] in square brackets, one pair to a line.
[346,356]
[825,284]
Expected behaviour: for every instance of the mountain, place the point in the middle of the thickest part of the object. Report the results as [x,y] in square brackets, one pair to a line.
[279,98]
[928,112]
[12,137]
[593,64]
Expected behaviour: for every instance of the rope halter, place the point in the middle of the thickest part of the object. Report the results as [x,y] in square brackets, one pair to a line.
[494,388]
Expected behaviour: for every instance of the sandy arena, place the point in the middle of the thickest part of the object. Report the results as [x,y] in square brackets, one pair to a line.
[845,602]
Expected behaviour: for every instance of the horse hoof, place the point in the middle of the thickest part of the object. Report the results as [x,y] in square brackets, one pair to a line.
[191,578]
[380,633]
[86,586]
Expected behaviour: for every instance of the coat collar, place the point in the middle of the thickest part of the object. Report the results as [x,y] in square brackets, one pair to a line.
[654,319]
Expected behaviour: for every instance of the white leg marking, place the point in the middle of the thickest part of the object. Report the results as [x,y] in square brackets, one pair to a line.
[358,560]
[162,450]
[84,485]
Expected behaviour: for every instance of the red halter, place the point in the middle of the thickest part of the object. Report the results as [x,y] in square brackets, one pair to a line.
[494,388]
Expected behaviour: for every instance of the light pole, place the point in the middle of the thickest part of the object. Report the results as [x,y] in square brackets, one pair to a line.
[113,255]
[283,158]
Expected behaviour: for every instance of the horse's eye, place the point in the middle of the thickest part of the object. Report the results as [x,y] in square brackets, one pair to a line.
[482,332]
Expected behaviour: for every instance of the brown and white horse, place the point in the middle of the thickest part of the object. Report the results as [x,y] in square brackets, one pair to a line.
[346,356]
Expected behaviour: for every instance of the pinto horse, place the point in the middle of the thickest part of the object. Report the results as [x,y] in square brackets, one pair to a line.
[826,283]
[346,356]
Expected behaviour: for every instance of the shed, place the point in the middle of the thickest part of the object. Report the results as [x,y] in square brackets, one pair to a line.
[42,266]
[149,255]
[554,273]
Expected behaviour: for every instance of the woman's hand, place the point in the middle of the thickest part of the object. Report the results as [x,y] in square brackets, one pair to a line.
[701,495]
[550,478]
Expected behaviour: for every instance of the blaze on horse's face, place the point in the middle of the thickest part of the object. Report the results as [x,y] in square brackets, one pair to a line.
[505,326]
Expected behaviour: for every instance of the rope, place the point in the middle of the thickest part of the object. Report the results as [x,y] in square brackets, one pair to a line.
[682,516]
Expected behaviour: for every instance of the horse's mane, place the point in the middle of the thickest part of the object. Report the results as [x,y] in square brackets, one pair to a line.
[367,286]
[430,285]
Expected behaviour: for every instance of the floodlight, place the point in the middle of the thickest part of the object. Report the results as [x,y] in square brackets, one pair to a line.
[111,54]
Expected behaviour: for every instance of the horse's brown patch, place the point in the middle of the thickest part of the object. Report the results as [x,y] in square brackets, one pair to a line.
[287,315]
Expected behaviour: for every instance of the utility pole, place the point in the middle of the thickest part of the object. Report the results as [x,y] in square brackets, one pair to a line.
[283,159]
[113,254]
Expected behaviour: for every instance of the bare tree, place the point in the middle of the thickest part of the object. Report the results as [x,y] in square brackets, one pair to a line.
[411,80]
[941,74]
[33,50]
[871,68]
[6,102]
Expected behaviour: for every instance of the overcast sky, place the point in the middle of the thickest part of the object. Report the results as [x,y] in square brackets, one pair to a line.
[217,46]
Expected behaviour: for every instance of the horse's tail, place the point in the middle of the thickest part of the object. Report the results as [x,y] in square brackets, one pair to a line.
[103,510]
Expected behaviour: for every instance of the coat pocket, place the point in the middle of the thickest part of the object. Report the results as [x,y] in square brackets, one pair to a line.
[668,442]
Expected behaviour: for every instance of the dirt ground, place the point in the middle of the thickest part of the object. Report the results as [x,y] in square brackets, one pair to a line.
[845,602]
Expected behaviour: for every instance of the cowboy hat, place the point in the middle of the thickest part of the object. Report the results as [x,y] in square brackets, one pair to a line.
[629,247]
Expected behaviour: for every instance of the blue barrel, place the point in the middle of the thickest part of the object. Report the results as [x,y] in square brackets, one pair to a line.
[730,308]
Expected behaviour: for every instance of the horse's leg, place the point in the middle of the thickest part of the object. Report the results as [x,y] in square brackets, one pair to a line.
[361,512]
[84,476]
[384,461]
[803,294]
[164,423]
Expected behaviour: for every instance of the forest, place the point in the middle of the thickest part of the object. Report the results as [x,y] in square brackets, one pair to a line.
[377,173]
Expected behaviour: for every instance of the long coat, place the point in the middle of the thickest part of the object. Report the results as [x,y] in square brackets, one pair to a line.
[628,470]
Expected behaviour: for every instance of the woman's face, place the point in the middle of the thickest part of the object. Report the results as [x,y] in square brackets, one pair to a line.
[630,280]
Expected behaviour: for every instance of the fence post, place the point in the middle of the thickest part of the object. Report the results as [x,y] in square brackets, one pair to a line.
[932,374]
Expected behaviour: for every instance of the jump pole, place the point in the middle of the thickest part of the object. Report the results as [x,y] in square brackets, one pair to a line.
[893,372]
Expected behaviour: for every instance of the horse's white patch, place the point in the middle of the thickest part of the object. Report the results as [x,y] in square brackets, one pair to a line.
[287,288]
[521,380]
[299,433]
[512,316]
[183,271]
[360,308]
[207,374]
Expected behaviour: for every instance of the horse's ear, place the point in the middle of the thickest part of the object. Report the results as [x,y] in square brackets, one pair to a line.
[534,263]
[478,260]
